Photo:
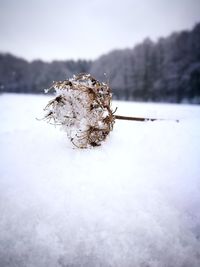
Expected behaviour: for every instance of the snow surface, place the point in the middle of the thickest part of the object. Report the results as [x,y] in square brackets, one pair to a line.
[135,201]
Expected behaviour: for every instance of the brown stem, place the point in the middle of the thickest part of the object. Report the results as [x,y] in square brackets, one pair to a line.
[118,117]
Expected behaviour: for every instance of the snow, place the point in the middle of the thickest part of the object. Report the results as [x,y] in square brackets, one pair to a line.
[134,201]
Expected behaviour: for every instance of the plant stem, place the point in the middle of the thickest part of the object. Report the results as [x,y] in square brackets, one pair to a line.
[118,117]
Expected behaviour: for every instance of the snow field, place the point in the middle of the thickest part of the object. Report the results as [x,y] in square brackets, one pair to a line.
[134,201]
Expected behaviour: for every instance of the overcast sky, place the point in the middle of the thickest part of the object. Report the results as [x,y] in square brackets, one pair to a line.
[72,29]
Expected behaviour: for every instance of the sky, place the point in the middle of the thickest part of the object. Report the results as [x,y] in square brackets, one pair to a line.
[86,29]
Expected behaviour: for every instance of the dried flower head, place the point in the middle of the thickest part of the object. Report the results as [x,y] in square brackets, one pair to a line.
[82,108]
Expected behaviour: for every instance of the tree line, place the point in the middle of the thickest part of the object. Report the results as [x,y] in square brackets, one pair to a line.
[164,71]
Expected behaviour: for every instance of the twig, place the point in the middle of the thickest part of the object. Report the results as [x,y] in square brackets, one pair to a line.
[118,117]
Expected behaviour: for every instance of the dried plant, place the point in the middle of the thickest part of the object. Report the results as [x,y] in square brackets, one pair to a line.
[82,107]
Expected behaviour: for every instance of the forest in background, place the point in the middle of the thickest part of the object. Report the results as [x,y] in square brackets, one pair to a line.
[164,71]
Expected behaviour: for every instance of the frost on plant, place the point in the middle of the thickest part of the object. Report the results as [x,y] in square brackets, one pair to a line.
[82,108]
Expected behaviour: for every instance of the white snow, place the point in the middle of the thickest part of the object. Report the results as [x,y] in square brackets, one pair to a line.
[134,201]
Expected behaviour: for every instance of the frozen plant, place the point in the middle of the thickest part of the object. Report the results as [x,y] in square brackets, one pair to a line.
[82,107]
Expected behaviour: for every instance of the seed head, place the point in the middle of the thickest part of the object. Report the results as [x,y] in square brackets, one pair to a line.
[82,108]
